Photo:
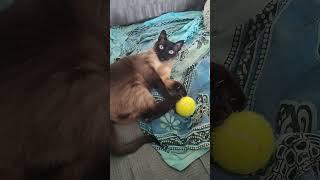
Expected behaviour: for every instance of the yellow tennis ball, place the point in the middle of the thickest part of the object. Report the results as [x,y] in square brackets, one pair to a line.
[185,106]
[244,143]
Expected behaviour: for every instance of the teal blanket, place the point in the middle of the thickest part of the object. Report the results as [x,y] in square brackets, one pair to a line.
[182,140]
[277,57]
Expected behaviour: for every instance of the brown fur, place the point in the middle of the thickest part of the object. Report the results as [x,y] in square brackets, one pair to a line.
[130,82]
[130,89]
[54,90]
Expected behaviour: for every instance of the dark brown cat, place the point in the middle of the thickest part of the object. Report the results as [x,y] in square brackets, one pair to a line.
[228,96]
[131,80]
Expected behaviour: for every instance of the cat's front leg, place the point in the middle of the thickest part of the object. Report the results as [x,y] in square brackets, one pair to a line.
[159,109]
[228,95]
[179,88]
[177,91]
[176,88]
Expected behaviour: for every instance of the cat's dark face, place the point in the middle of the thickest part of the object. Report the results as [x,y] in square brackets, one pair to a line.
[166,49]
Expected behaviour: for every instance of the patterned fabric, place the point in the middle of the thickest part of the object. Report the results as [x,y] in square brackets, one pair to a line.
[182,140]
[277,57]
[297,155]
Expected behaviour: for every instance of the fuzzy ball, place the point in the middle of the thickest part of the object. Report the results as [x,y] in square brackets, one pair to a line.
[185,106]
[244,143]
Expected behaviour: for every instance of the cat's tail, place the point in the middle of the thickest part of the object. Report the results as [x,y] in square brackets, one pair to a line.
[120,149]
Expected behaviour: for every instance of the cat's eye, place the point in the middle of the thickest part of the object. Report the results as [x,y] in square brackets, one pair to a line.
[171,52]
[161,46]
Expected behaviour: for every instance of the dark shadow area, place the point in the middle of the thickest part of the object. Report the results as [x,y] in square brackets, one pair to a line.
[53,88]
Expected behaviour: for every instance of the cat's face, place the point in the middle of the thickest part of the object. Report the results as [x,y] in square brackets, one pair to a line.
[166,49]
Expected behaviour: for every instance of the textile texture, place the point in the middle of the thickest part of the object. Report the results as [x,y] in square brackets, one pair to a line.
[276,56]
[182,140]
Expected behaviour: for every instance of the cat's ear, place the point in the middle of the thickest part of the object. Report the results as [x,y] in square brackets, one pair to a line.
[178,45]
[163,35]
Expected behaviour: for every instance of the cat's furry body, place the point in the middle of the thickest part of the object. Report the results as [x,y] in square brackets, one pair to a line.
[53,106]
[132,87]
[131,79]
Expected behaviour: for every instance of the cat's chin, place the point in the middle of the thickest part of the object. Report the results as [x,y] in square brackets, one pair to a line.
[166,60]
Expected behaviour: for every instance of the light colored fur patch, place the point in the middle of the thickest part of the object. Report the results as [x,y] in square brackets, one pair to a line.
[133,97]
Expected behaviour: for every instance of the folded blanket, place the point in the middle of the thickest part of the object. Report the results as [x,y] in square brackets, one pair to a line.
[277,58]
[182,140]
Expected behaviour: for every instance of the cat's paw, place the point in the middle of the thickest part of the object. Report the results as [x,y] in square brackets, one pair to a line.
[239,102]
[147,116]
[220,113]
[152,139]
[179,89]
[175,98]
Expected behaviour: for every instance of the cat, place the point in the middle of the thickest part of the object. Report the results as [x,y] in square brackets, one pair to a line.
[228,95]
[53,90]
[131,79]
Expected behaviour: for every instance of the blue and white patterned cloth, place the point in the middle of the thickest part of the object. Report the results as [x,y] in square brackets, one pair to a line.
[277,57]
[182,140]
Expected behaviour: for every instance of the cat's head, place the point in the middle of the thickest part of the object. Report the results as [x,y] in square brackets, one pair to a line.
[166,49]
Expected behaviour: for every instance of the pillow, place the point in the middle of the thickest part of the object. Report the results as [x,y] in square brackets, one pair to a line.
[123,12]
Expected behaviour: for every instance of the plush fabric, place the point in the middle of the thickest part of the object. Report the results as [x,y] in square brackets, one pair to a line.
[276,55]
[228,14]
[182,139]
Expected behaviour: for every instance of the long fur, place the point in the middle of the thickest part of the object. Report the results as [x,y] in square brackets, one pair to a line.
[131,80]
[53,84]
[130,83]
